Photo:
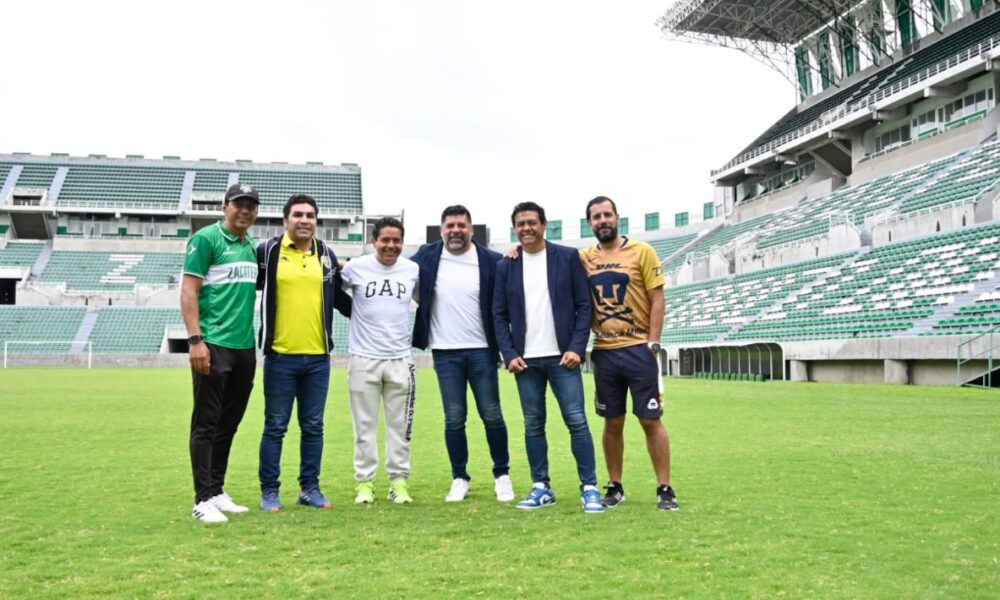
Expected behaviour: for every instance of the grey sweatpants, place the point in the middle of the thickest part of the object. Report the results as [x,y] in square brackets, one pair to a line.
[373,382]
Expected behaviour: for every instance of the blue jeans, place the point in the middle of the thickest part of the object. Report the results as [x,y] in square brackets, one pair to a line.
[287,377]
[456,370]
[567,385]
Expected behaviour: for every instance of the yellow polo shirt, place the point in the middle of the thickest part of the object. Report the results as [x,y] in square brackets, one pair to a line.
[298,323]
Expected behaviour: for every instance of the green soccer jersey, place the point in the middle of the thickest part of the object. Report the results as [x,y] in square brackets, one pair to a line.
[228,267]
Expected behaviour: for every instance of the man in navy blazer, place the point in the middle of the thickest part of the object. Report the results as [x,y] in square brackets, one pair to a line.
[542,311]
[455,319]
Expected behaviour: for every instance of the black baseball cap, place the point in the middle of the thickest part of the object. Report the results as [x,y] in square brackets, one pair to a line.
[242,190]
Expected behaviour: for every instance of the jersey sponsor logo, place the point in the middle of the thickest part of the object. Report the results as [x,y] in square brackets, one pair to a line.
[393,289]
[625,333]
[243,271]
[608,290]
[239,272]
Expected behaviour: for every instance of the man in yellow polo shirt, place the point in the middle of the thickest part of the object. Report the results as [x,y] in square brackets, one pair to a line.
[300,278]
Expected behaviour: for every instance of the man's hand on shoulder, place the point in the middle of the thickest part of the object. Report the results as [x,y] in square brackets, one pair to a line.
[513,253]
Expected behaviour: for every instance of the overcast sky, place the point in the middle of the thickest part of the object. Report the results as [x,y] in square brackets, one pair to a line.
[441,102]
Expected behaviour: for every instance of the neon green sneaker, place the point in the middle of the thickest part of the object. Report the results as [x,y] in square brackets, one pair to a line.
[365,493]
[399,492]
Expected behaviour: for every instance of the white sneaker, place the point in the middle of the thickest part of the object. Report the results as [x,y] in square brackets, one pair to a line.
[504,488]
[459,490]
[207,512]
[225,503]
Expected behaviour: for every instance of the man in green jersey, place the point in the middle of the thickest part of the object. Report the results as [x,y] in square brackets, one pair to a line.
[217,301]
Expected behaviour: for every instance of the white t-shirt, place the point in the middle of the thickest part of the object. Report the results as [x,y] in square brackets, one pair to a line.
[540,336]
[456,315]
[381,295]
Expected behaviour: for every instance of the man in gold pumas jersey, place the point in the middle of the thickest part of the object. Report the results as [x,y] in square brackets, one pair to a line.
[626,286]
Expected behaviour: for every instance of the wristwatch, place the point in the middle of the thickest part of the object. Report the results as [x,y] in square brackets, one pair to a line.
[654,347]
[194,340]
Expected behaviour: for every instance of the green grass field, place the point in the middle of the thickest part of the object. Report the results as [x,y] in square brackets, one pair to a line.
[799,490]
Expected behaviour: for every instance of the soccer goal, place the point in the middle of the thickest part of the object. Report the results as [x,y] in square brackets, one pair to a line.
[34,353]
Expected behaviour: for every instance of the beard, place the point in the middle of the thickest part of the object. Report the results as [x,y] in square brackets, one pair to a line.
[606,234]
[457,242]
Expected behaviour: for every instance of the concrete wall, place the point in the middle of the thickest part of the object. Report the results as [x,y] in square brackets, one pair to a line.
[847,371]
[18,273]
[718,265]
[825,186]
[941,372]
[900,348]
[158,296]
[923,151]
[841,238]
[348,249]
[988,207]
[44,294]
[768,204]
[916,372]
[944,219]
[39,294]
[696,270]
[138,245]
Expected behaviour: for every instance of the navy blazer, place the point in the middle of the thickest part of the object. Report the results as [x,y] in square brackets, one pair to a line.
[569,293]
[428,258]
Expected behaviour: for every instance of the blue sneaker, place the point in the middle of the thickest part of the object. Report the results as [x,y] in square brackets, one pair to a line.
[539,496]
[590,497]
[314,498]
[270,501]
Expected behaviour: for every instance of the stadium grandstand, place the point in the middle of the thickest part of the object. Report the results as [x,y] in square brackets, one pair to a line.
[92,248]
[860,231]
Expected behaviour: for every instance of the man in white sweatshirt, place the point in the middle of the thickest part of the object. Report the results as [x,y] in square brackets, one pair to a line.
[381,369]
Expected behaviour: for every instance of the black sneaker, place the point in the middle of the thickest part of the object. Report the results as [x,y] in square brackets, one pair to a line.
[667,498]
[614,496]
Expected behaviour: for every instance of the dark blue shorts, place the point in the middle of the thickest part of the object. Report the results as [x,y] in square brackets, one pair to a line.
[631,368]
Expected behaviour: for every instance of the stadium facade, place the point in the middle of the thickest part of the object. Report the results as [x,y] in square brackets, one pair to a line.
[862,229]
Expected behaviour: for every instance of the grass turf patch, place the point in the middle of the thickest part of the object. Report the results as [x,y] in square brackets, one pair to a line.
[785,489]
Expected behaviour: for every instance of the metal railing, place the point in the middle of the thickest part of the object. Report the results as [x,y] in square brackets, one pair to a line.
[169,205]
[992,346]
[839,112]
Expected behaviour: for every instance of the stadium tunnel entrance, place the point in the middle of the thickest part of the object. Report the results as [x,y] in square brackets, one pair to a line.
[747,362]
[8,291]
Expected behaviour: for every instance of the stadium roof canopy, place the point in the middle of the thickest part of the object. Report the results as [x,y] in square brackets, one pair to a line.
[771,21]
